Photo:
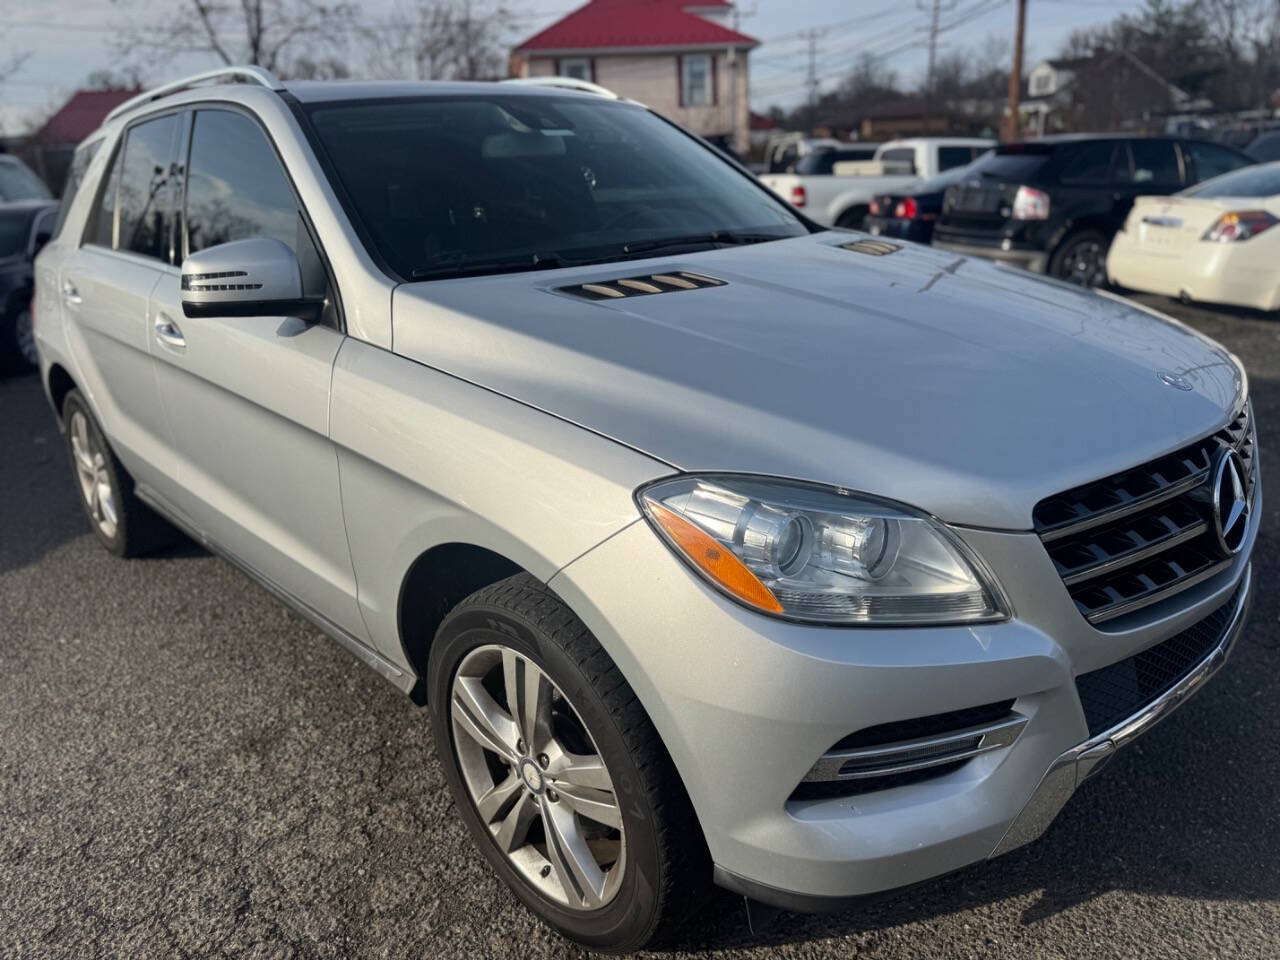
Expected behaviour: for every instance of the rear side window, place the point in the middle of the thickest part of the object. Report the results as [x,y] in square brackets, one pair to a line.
[904,156]
[1090,163]
[75,176]
[135,212]
[951,157]
[1209,160]
[1154,162]
[824,161]
[236,189]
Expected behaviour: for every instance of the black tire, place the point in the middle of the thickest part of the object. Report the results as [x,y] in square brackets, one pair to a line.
[666,865]
[855,218]
[12,358]
[138,529]
[1081,258]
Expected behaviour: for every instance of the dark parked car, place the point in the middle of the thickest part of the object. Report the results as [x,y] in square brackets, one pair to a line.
[25,227]
[17,182]
[911,214]
[1265,147]
[1053,204]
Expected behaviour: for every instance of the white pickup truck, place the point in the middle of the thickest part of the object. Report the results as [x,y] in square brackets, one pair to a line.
[841,198]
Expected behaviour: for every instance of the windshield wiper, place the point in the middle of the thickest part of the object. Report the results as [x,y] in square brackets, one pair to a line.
[463,268]
[727,237]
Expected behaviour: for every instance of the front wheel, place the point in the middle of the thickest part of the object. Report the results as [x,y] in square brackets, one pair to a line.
[558,771]
[1081,259]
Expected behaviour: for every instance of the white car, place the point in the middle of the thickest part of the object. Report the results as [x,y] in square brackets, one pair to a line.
[1212,243]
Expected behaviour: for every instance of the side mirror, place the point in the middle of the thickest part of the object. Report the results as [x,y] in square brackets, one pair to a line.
[258,277]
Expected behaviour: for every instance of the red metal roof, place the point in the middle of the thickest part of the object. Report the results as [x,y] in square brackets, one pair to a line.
[611,24]
[81,115]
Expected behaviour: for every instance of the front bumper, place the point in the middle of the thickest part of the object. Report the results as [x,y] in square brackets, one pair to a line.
[746,705]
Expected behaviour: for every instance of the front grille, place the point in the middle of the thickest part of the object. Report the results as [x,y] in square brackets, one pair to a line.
[1115,693]
[1129,540]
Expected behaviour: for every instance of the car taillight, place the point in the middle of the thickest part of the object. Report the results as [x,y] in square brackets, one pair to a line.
[906,209]
[875,208]
[799,195]
[1029,204]
[1239,225]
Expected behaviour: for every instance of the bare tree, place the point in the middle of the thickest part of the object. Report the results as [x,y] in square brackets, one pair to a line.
[284,36]
[441,40]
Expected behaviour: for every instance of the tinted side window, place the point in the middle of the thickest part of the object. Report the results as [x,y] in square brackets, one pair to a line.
[144,197]
[237,189]
[1090,163]
[951,157]
[1154,162]
[75,176]
[901,155]
[1210,160]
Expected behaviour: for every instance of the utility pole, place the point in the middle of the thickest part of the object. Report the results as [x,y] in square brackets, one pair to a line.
[935,10]
[1015,75]
[812,36]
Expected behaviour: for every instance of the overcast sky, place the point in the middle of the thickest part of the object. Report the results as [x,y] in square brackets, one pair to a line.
[66,39]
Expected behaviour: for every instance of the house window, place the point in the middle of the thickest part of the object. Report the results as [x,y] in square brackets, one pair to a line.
[697,83]
[577,67]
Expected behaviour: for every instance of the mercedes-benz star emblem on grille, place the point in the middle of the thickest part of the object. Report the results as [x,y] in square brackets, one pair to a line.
[1230,503]
[1175,380]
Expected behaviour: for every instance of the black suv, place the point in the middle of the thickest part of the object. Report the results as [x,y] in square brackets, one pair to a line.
[1053,204]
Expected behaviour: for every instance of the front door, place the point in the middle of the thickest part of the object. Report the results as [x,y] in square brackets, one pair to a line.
[248,397]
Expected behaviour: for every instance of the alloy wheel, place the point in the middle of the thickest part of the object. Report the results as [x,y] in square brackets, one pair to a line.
[94,477]
[24,333]
[537,779]
[1083,264]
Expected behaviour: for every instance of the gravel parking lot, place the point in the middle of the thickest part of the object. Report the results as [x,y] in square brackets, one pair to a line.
[188,770]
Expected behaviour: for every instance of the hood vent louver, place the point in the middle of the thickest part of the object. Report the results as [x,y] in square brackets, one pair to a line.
[872,248]
[641,286]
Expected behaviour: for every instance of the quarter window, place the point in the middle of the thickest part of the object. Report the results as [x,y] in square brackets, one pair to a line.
[236,189]
[696,81]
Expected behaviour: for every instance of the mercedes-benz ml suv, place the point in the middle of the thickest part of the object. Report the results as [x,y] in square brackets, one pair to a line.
[722,546]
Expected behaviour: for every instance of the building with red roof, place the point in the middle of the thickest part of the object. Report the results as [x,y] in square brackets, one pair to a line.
[680,57]
[48,150]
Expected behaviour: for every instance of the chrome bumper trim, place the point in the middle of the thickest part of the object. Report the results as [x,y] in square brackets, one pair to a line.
[1075,765]
[907,756]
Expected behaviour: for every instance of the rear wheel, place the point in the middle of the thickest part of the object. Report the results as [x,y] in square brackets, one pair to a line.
[122,523]
[855,218]
[17,340]
[558,772]
[1081,259]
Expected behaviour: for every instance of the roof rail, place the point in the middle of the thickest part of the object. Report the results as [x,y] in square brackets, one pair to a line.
[227,74]
[566,83]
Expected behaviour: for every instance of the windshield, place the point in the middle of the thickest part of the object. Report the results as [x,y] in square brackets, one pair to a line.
[19,183]
[1259,181]
[457,186]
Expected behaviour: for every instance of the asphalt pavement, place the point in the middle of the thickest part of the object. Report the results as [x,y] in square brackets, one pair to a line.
[189,770]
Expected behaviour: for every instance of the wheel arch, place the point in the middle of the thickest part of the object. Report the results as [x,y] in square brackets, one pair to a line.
[438,580]
[58,384]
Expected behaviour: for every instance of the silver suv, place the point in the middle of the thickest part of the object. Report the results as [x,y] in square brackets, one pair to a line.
[723,547]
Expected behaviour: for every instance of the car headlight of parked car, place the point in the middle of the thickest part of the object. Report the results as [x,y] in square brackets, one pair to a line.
[820,554]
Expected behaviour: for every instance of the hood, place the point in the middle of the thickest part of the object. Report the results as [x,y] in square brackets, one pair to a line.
[967,390]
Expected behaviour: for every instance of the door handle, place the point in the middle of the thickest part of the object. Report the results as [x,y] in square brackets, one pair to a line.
[69,292]
[167,331]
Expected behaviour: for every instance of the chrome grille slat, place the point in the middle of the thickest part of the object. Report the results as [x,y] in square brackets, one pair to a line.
[1145,534]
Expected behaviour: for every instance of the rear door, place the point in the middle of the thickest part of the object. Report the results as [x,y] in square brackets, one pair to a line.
[248,397]
[105,284]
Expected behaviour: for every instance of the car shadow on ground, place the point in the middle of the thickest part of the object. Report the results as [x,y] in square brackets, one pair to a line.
[40,508]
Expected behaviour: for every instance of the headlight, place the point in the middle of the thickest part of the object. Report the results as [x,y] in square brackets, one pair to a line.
[819,554]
